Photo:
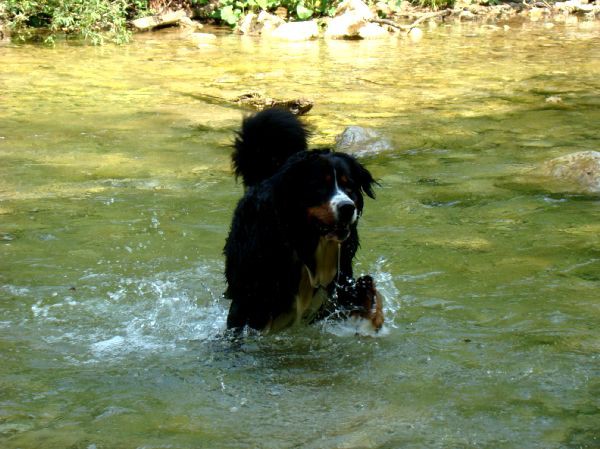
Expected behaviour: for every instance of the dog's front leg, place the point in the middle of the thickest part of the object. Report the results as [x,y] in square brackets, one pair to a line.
[360,298]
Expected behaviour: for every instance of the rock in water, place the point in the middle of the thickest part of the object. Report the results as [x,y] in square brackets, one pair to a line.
[350,17]
[249,24]
[415,34]
[297,106]
[373,31]
[159,20]
[361,141]
[296,31]
[581,169]
[268,23]
[202,39]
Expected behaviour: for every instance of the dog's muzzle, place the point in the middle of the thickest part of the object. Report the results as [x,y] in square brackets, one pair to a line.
[346,212]
[345,216]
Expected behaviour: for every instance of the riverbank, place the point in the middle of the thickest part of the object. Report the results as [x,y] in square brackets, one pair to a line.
[354,19]
[350,19]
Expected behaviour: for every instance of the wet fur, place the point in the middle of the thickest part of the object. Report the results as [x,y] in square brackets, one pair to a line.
[281,262]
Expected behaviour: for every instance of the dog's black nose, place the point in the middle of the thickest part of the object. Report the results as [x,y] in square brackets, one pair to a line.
[346,211]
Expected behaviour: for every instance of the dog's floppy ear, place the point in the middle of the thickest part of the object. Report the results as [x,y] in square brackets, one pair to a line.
[365,180]
[361,175]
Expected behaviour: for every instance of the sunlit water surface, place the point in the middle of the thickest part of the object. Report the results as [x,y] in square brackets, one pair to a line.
[115,200]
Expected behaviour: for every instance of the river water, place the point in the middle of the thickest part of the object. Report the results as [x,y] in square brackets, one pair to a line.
[116,196]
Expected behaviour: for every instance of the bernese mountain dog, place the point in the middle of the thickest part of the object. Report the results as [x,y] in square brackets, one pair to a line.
[294,232]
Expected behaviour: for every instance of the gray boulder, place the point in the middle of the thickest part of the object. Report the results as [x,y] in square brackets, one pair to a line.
[579,170]
[361,141]
[296,31]
[350,16]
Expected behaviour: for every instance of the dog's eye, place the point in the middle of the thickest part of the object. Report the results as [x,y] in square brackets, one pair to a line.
[345,184]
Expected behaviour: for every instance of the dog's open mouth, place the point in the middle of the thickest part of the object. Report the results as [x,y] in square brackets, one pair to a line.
[338,232]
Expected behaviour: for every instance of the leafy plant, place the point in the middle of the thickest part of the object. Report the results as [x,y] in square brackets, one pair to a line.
[99,21]
[436,4]
[96,21]
[230,11]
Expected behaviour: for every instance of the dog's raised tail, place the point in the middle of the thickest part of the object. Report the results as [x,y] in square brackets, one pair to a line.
[265,141]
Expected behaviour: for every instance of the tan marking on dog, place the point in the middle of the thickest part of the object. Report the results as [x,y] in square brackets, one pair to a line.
[326,262]
[376,315]
[373,310]
[312,289]
[323,213]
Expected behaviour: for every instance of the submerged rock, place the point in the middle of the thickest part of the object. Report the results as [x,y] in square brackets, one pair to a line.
[361,141]
[201,39]
[554,99]
[415,34]
[581,170]
[477,244]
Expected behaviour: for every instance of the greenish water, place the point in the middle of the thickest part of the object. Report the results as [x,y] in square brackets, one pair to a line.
[116,196]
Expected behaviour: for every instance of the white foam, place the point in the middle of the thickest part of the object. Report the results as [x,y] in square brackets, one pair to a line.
[110,319]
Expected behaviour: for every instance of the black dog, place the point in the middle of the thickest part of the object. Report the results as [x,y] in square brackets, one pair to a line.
[293,236]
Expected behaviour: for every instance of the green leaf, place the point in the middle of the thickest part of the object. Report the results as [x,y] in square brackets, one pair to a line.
[263,4]
[230,15]
[303,12]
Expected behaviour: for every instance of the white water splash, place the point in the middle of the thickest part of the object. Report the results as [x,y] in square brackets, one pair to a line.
[391,306]
[110,318]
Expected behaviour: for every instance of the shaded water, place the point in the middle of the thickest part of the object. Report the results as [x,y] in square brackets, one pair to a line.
[116,196]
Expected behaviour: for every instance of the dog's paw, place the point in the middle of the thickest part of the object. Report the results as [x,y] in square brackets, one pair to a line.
[370,301]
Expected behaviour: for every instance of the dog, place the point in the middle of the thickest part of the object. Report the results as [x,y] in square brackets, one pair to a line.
[293,236]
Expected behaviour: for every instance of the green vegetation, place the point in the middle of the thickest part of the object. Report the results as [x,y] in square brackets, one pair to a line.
[436,4]
[99,21]
[230,11]
[94,20]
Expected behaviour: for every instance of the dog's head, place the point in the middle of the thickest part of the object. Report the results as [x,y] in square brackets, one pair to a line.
[326,189]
